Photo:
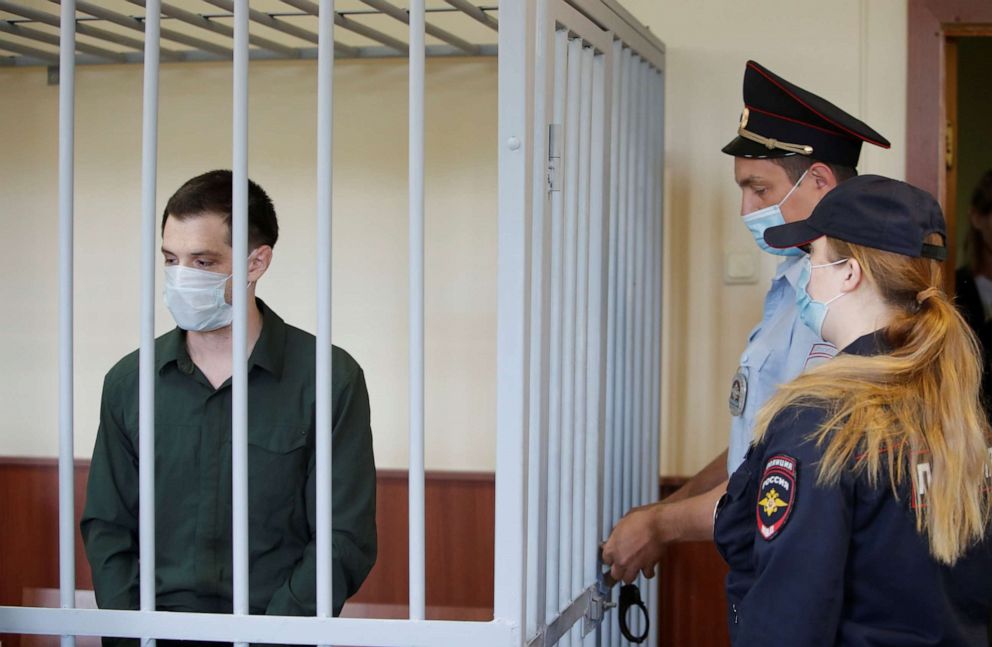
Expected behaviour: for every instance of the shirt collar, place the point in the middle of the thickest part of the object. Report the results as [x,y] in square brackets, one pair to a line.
[268,352]
[790,267]
[874,343]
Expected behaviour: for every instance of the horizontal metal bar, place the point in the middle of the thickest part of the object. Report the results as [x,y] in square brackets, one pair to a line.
[263,18]
[404,17]
[197,56]
[82,28]
[199,21]
[349,24]
[52,39]
[565,620]
[133,23]
[133,43]
[428,10]
[470,9]
[255,628]
[609,15]
[10,46]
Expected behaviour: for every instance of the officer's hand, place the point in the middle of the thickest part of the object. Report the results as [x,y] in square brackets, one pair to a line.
[636,543]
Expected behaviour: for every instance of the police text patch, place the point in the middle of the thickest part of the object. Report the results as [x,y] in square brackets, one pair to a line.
[776,495]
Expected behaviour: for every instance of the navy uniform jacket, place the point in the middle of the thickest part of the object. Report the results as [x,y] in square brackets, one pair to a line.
[837,565]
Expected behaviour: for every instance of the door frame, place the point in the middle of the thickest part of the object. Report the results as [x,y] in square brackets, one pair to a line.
[930,23]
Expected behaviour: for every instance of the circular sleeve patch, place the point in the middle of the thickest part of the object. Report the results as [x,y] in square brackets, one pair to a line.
[776,495]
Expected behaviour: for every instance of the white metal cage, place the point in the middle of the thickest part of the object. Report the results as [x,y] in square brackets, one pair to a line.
[581,95]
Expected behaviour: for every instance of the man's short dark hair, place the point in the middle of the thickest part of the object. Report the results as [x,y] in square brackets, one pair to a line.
[795,165]
[211,193]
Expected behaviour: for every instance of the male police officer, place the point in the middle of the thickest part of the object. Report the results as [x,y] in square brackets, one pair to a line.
[792,147]
[193,497]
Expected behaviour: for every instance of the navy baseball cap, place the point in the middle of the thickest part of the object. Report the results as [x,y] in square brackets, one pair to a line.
[782,119]
[872,211]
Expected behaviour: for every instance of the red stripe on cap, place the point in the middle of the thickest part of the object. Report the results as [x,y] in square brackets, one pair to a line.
[753,66]
[795,121]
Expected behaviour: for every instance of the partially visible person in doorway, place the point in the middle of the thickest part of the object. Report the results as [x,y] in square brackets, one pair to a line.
[974,281]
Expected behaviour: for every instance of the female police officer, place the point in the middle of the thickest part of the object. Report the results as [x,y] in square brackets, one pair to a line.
[861,513]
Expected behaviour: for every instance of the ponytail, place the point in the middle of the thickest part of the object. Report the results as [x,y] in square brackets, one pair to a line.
[919,403]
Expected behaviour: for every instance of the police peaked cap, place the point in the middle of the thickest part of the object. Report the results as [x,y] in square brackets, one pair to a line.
[871,211]
[782,119]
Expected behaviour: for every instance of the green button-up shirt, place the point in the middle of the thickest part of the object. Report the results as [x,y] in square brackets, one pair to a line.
[193,505]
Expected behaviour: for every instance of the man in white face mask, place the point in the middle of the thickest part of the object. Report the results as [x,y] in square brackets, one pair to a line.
[193,368]
[792,147]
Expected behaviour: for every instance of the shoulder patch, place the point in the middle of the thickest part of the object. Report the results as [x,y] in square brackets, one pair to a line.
[776,495]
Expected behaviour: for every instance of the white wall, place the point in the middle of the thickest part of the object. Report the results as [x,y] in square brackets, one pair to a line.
[370,233]
[852,52]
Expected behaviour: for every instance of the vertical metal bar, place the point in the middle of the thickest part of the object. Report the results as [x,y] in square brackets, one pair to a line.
[647,373]
[612,303]
[580,159]
[555,342]
[595,388]
[580,501]
[649,190]
[581,325]
[67,117]
[611,448]
[571,190]
[637,297]
[146,360]
[630,261]
[324,368]
[537,479]
[657,241]
[515,194]
[416,171]
[643,387]
[239,292]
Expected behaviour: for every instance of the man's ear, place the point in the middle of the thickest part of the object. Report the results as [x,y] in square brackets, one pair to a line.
[258,262]
[823,177]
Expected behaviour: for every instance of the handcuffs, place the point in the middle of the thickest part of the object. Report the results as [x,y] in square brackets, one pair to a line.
[630,597]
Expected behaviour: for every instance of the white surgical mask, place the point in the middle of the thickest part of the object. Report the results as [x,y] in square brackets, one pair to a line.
[196,298]
[758,221]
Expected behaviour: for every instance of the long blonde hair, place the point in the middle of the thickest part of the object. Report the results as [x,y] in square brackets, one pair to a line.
[922,397]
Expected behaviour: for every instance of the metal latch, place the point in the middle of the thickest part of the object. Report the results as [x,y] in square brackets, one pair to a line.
[554,157]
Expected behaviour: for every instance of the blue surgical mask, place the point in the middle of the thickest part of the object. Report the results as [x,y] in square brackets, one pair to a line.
[758,221]
[813,312]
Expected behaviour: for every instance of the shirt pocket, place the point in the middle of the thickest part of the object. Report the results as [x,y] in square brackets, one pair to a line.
[278,464]
[755,355]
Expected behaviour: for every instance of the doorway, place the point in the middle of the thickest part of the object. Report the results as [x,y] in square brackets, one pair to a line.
[968,59]
[943,37]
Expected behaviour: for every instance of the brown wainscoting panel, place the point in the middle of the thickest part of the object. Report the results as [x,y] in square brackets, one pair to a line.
[460,509]
[692,609]
[29,530]
[460,529]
